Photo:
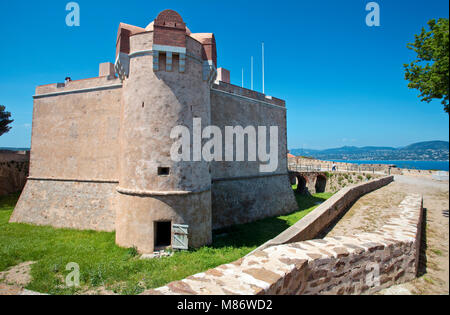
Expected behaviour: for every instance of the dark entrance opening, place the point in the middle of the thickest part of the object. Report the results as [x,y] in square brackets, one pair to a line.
[163,171]
[321,184]
[301,185]
[163,234]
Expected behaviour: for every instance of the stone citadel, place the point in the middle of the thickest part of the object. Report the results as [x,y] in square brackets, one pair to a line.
[100,154]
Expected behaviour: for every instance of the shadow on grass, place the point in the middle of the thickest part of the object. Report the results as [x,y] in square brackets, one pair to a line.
[422,268]
[257,233]
[8,202]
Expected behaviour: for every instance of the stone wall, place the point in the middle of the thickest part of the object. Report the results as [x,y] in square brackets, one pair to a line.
[361,264]
[308,164]
[302,162]
[241,193]
[68,204]
[250,199]
[338,181]
[318,220]
[14,167]
[74,156]
[75,131]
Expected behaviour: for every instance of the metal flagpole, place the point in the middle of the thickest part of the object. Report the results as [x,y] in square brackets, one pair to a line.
[252,73]
[263,83]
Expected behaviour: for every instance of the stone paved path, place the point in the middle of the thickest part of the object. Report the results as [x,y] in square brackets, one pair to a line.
[371,212]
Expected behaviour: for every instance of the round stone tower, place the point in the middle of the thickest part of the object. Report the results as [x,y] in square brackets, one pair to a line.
[163,202]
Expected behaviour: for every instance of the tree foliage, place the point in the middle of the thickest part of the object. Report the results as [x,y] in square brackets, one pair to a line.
[429,72]
[4,120]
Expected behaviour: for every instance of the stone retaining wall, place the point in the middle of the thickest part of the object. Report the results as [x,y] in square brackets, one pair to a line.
[315,222]
[361,264]
[340,180]
[14,167]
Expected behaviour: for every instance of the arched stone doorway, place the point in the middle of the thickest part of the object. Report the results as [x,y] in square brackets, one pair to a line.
[294,180]
[321,184]
[301,185]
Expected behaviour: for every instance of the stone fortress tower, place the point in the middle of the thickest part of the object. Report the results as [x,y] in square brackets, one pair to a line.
[100,156]
[162,91]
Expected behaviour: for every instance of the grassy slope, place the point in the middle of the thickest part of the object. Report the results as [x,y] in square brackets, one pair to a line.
[103,264]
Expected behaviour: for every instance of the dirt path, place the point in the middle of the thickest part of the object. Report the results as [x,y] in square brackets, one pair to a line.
[13,281]
[371,212]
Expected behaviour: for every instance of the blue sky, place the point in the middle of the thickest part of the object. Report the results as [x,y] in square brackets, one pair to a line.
[343,81]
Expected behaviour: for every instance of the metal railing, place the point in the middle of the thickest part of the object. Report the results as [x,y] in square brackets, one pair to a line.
[349,168]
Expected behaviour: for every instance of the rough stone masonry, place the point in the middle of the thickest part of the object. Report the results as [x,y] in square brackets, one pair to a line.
[100,155]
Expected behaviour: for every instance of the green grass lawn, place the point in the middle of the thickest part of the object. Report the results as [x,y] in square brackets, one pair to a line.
[103,264]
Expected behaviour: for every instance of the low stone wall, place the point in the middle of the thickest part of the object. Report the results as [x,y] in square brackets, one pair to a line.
[360,264]
[14,168]
[339,180]
[301,162]
[315,222]
[331,182]
[306,164]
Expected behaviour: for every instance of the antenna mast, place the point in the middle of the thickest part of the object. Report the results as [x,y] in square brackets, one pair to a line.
[252,73]
[263,78]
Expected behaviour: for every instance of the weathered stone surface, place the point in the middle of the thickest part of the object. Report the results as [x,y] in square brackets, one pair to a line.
[77,205]
[242,201]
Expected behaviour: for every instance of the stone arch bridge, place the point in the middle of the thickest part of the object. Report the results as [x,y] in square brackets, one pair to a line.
[309,182]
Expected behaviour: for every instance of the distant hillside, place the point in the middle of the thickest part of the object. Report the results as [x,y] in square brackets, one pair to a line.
[430,145]
[422,151]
